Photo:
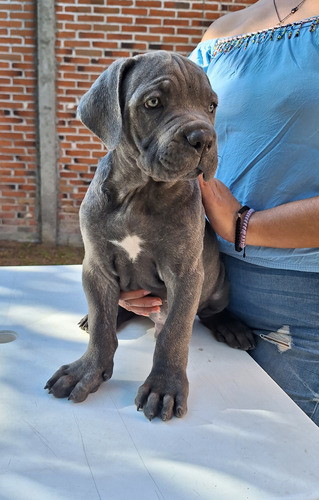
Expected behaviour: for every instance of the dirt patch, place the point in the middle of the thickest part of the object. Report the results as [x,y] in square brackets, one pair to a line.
[36,254]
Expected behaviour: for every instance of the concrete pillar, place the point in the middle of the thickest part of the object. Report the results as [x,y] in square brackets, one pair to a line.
[47,133]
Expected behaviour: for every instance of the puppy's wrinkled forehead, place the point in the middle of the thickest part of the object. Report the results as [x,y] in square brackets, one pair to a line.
[167,72]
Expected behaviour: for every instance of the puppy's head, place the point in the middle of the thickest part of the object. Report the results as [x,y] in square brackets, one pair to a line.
[160,104]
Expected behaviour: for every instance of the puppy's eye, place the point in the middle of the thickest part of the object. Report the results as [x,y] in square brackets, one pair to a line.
[212,107]
[152,103]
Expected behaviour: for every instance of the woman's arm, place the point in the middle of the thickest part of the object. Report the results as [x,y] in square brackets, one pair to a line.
[291,225]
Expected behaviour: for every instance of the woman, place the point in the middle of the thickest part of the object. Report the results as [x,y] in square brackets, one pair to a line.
[263,62]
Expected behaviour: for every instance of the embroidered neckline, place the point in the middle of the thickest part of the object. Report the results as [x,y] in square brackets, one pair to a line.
[226,44]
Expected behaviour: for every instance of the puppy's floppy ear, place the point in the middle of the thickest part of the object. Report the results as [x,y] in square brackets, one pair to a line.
[100,109]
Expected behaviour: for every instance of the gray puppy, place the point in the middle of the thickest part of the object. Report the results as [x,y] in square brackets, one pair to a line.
[143,225]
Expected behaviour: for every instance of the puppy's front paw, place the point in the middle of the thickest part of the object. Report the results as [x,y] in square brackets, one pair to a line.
[163,395]
[77,380]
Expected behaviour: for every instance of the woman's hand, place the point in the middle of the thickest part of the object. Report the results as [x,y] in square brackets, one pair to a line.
[221,207]
[139,303]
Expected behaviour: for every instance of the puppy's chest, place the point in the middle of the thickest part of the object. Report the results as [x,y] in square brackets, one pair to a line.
[130,235]
[135,251]
[138,231]
[130,245]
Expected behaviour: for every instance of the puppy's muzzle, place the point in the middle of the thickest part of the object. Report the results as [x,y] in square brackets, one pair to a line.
[202,140]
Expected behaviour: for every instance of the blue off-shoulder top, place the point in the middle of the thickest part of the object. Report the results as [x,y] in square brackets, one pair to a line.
[267,124]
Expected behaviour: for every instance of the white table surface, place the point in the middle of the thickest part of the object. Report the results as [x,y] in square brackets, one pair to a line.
[242,437]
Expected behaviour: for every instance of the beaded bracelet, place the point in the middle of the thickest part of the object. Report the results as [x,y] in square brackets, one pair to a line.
[240,212]
[243,231]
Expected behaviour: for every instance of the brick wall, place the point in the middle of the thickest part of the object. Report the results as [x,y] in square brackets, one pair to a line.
[18,154]
[90,35]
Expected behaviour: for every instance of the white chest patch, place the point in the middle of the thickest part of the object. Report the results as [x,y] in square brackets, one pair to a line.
[131,244]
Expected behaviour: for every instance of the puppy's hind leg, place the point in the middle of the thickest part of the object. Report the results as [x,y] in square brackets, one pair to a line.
[84,323]
[227,328]
[122,316]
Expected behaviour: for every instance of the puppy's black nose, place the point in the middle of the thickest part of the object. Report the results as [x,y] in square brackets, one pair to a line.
[200,139]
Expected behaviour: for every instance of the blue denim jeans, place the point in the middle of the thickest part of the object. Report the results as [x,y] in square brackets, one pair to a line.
[282,308]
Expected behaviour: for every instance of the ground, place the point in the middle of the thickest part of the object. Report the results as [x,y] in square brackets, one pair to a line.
[36,254]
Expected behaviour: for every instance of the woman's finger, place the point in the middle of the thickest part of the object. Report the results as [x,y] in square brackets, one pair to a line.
[140,310]
[142,302]
[139,303]
[134,294]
